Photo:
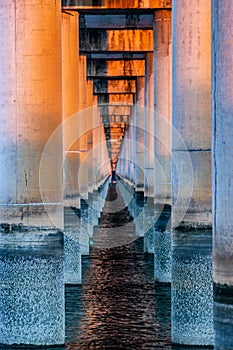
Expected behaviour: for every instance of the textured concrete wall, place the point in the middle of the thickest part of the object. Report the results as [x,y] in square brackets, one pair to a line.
[191,106]
[162,105]
[119,4]
[115,68]
[30,110]
[92,40]
[149,126]
[222,108]
[114,86]
[70,103]
[222,165]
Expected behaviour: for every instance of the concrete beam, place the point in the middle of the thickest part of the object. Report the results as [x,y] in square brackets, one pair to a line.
[104,86]
[116,98]
[115,69]
[115,118]
[91,5]
[117,21]
[115,110]
[116,56]
[93,40]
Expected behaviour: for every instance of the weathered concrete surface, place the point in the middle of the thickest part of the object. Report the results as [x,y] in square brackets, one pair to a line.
[70,107]
[191,103]
[92,40]
[117,55]
[192,288]
[30,111]
[140,149]
[222,107]
[115,109]
[32,288]
[117,21]
[149,127]
[191,111]
[102,86]
[222,111]
[116,4]
[114,69]
[162,131]
[70,103]
[162,105]
[116,98]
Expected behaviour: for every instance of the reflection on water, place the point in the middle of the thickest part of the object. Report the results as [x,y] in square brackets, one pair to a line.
[121,306]
[118,306]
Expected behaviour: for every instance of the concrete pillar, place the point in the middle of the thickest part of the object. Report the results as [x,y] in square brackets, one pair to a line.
[32,288]
[191,104]
[140,134]
[70,107]
[139,156]
[149,159]
[149,126]
[222,109]
[162,131]
[70,102]
[84,102]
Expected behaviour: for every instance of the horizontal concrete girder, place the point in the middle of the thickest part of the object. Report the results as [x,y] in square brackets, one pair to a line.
[115,110]
[115,119]
[121,68]
[116,56]
[102,86]
[92,40]
[117,21]
[115,4]
[116,98]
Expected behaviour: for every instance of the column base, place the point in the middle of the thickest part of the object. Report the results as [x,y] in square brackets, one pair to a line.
[32,299]
[192,294]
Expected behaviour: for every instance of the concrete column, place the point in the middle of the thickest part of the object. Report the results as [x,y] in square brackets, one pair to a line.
[149,159]
[70,107]
[222,109]
[191,105]
[162,104]
[140,134]
[84,103]
[139,156]
[149,126]
[162,131]
[32,288]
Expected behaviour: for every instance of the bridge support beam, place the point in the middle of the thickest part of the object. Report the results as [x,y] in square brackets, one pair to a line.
[222,109]
[31,249]
[191,104]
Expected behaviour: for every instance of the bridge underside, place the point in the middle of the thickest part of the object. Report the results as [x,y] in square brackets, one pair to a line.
[99,92]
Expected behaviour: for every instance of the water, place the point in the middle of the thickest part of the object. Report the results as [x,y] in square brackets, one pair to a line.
[118,305]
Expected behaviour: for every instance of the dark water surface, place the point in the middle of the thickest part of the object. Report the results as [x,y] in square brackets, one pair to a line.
[118,305]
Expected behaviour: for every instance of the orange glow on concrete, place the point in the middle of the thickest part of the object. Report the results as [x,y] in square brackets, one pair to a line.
[121,98]
[125,4]
[121,86]
[130,40]
[126,68]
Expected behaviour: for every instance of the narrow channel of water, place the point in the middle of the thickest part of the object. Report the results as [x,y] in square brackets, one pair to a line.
[118,305]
